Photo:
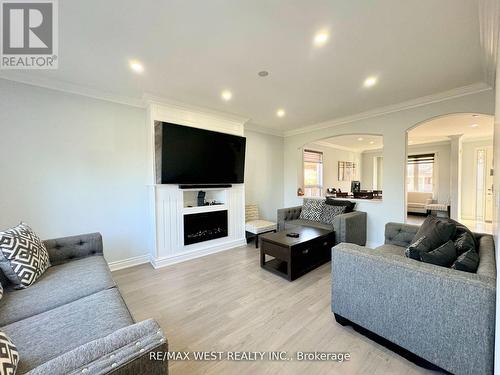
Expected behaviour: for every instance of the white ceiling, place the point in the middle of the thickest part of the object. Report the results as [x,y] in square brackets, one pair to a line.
[192,50]
[353,142]
[441,128]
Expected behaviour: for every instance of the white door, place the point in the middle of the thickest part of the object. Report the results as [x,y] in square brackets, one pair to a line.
[484,184]
[488,200]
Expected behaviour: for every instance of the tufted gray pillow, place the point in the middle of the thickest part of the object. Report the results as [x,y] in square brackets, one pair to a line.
[23,256]
[9,356]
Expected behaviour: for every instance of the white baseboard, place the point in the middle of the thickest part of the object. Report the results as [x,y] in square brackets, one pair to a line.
[129,262]
[178,258]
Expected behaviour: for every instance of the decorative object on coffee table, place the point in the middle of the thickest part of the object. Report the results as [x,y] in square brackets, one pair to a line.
[254,226]
[294,257]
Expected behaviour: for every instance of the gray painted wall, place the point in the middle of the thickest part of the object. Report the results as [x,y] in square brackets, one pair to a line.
[264,173]
[71,165]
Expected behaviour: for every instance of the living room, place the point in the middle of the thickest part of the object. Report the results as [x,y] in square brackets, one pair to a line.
[251,124]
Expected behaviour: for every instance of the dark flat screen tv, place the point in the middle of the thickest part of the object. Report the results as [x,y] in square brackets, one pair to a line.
[197,156]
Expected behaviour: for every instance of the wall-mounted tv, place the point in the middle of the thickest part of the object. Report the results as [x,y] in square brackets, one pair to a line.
[196,156]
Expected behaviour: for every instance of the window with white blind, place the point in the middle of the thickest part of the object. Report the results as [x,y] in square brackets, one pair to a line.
[420,173]
[313,173]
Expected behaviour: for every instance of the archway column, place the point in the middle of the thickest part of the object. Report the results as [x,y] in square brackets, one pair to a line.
[456,176]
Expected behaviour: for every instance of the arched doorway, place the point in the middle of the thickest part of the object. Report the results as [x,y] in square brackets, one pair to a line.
[449,169]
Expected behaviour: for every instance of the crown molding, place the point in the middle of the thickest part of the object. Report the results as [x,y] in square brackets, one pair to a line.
[149,99]
[337,147]
[71,88]
[414,103]
[263,129]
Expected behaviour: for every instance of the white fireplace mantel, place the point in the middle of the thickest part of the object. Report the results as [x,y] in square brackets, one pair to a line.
[167,201]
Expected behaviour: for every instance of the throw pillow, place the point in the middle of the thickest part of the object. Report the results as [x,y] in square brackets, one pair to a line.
[23,256]
[311,209]
[330,212]
[468,261]
[443,256]
[9,356]
[415,249]
[436,232]
[464,242]
[343,203]
[461,229]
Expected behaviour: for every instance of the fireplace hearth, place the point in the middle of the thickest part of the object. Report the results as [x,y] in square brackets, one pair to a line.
[205,226]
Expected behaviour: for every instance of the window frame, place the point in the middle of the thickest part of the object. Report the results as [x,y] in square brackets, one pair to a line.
[320,170]
[435,168]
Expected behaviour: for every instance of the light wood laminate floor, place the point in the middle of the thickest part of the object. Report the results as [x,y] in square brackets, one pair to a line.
[226,302]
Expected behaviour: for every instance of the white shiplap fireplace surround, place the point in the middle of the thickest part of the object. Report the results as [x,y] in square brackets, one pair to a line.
[168,202]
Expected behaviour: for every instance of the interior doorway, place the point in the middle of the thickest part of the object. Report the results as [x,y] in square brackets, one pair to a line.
[449,170]
[484,184]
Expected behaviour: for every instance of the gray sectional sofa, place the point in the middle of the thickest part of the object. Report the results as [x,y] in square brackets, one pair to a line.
[349,227]
[73,320]
[445,316]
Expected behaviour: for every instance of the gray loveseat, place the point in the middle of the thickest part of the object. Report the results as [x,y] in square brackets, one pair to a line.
[350,227]
[73,319]
[445,316]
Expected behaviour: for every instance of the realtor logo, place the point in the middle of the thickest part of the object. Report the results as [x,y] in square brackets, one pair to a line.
[29,37]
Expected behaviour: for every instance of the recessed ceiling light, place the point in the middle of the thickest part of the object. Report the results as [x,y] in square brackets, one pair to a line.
[280,112]
[370,81]
[372,142]
[226,95]
[474,125]
[263,73]
[360,139]
[136,66]
[321,38]
[475,115]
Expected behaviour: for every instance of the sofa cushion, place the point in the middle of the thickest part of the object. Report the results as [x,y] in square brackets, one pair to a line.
[260,226]
[349,206]
[468,261]
[57,286]
[311,209]
[23,256]
[307,223]
[435,232]
[9,355]
[45,336]
[443,256]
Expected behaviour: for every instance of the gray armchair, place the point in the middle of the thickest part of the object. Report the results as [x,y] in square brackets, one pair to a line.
[350,227]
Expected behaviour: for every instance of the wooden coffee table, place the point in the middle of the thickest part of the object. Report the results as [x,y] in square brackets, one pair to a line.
[294,257]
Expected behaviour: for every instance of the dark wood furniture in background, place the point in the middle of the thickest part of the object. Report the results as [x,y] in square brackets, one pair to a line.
[294,257]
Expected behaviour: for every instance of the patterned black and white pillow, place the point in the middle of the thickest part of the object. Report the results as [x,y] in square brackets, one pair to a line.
[23,256]
[9,356]
[312,209]
[1,290]
[330,212]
